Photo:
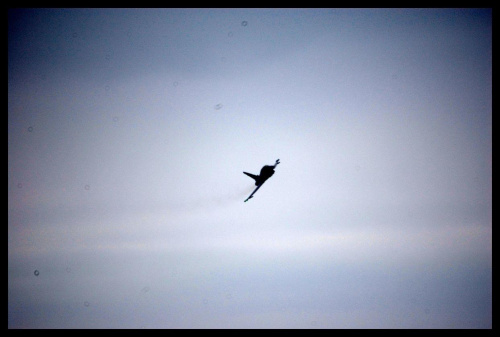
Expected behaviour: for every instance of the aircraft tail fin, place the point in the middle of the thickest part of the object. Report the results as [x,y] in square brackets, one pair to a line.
[253,176]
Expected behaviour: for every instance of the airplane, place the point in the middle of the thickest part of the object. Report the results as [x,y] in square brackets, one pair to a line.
[265,173]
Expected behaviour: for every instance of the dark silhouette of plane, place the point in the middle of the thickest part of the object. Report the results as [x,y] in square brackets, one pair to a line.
[265,173]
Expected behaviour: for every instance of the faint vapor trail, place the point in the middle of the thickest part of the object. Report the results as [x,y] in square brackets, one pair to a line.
[220,200]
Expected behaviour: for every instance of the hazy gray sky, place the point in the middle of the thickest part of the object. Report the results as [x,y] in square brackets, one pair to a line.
[129,131]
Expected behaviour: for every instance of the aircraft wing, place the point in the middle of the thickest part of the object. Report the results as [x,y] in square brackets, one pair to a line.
[251,195]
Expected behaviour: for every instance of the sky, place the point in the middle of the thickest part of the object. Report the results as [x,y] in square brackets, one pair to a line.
[129,130]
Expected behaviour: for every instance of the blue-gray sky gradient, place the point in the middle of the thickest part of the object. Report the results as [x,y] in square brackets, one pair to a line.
[129,130]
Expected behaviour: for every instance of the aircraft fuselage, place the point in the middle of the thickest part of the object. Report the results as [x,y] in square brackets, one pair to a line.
[265,173]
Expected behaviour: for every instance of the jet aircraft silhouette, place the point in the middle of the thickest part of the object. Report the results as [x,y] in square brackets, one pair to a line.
[265,173]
